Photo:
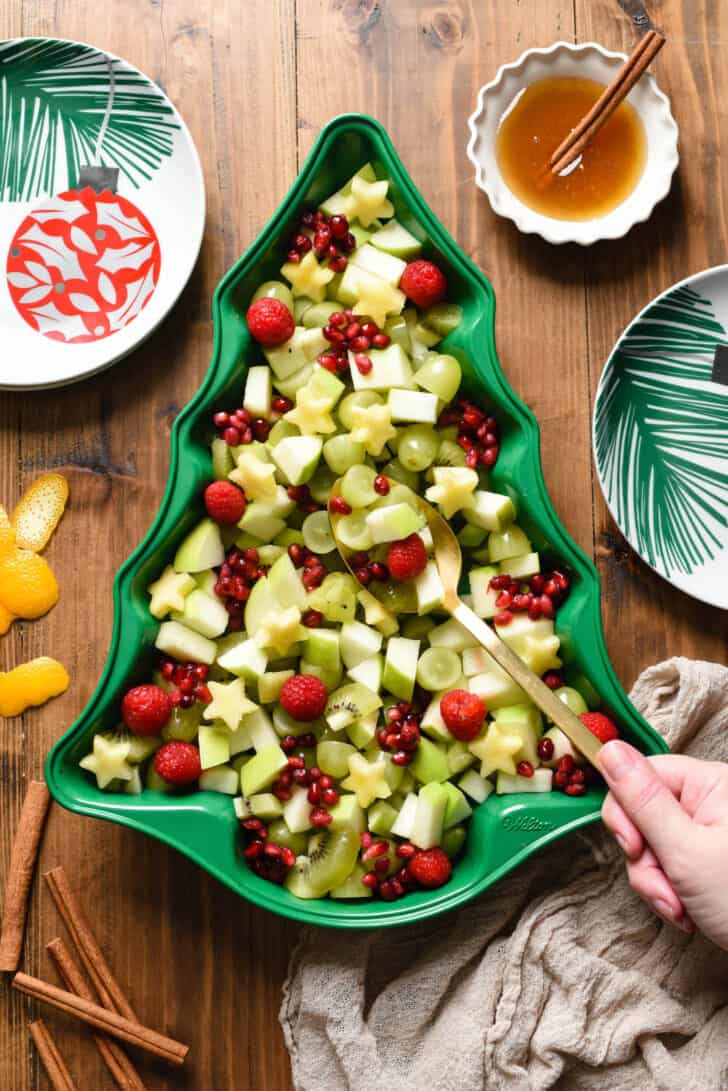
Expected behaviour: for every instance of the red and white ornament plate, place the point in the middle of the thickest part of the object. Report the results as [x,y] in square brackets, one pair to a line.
[96,246]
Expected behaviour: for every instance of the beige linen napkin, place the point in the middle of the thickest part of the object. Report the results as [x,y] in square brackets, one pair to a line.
[557,975]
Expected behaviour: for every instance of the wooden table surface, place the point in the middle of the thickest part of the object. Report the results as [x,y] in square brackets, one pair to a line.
[255,80]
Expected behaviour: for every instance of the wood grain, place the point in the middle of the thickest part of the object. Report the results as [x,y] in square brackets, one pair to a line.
[255,80]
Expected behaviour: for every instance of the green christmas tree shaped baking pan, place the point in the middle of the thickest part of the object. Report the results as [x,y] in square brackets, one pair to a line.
[505,829]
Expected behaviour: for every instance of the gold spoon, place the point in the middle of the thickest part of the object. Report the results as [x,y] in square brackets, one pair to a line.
[449,562]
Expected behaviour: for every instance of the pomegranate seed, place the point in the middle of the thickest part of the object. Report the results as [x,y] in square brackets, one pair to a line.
[329,797]
[363,576]
[397,887]
[221,420]
[338,226]
[296,553]
[504,600]
[503,618]
[391,740]
[547,607]
[550,588]
[409,736]
[312,619]
[363,363]
[167,670]
[566,764]
[381,340]
[386,891]
[288,856]
[524,769]
[348,242]
[545,749]
[288,744]
[578,776]
[320,817]
[369,329]
[231,437]
[281,793]
[338,264]
[315,772]
[561,779]
[489,456]
[375,849]
[405,851]
[254,849]
[293,256]
[187,700]
[301,777]
[575,789]
[402,757]
[534,610]
[314,793]
[378,571]
[352,330]
[339,506]
[394,714]
[371,880]
[381,866]
[553,680]
[381,485]
[360,344]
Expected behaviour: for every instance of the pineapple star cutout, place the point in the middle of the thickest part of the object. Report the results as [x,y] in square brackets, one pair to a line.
[311,415]
[539,653]
[372,426]
[366,780]
[368,201]
[281,631]
[228,703]
[169,592]
[307,277]
[108,760]
[496,749]
[256,478]
[377,298]
[453,489]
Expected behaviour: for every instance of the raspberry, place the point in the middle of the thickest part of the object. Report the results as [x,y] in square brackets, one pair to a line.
[146,709]
[423,283]
[270,322]
[224,502]
[407,558]
[463,714]
[178,763]
[430,867]
[600,725]
[304,697]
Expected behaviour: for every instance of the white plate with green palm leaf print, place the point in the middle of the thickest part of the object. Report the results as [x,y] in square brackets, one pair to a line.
[102,209]
[661,435]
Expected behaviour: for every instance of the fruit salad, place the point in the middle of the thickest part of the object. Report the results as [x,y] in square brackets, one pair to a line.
[353,726]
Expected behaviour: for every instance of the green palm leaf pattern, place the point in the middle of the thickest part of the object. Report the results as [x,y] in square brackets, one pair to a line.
[64,105]
[661,434]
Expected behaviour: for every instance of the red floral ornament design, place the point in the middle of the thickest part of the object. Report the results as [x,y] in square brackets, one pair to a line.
[83,265]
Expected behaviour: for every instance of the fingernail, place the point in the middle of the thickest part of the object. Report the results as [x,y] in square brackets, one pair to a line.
[616,759]
[663,909]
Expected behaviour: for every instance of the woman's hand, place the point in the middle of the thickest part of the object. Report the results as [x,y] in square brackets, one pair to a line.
[669,814]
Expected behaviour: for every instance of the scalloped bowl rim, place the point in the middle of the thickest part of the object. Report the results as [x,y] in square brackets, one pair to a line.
[661,165]
[208,814]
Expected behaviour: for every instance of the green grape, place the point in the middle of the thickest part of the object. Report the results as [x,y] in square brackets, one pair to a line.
[418,447]
[450,454]
[440,375]
[443,318]
[438,668]
[320,485]
[572,698]
[282,429]
[357,486]
[317,534]
[275,289]
[360,398]
[341,452]
[353,532]
[397,472]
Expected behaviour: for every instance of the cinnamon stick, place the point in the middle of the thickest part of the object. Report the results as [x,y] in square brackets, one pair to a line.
[121,1068]
[108,988]
[49,1053]
[628,75]
[108,1021]
[22,865]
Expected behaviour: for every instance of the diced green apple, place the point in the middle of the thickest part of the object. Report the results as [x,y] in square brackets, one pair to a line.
[381,816]
[427,826]
[285,583]
[457,809]
[416,406]
[260,772]
[400,666]
[477,787]
[259,726]
[522,567]
[184,644]
[451,634]
[204,614]
[222,779]
[243,658]
[511,542]
[393,522]
[395,239]
[496,688]
[382,264]
[297,810]
[214,743]
[430,762]
[368,672]
[297,457]
[322,648]
[403,824]
[201,549]
[506,783]
[260,521]
[270,685]
[358,642]
[362,731]
[429,589]
[490,510]
[258,391]
[266,806]
[347,814]
[483,595]
[390,368]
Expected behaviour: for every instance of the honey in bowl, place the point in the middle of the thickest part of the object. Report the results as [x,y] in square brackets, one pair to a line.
[539,120]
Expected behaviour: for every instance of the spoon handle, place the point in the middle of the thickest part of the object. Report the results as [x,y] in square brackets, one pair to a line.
[529,682]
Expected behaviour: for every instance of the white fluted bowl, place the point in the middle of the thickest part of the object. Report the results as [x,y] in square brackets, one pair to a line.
[589,61]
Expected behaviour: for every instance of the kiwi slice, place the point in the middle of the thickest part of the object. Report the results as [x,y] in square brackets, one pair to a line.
[331,858]
[279,834]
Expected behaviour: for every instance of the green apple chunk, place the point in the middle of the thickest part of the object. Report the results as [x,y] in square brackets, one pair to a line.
[297,457]
[297,810]
[457,809]
[214,743]
[260,772]
[393,522]
[390,368]
[362,731]
[483,595]
[416,406]
[377,261]
[400,666]
[243,657]
[368,672]
[258,391]
[265,805]
[381,816]
[222,779]
[260,730]
[322,648]
[201,549]
[403,824]
[347,814]
[285,584]
[459,758]
[358,642]
[204,614]
[496,688]
[511,542]
[429,589]
[270,685]
[506,783]
[430,763]
[451,634]
[183,644]
[395,239]
[522,567]
[490,510]
[477,787]
[427,826]
[261,521]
